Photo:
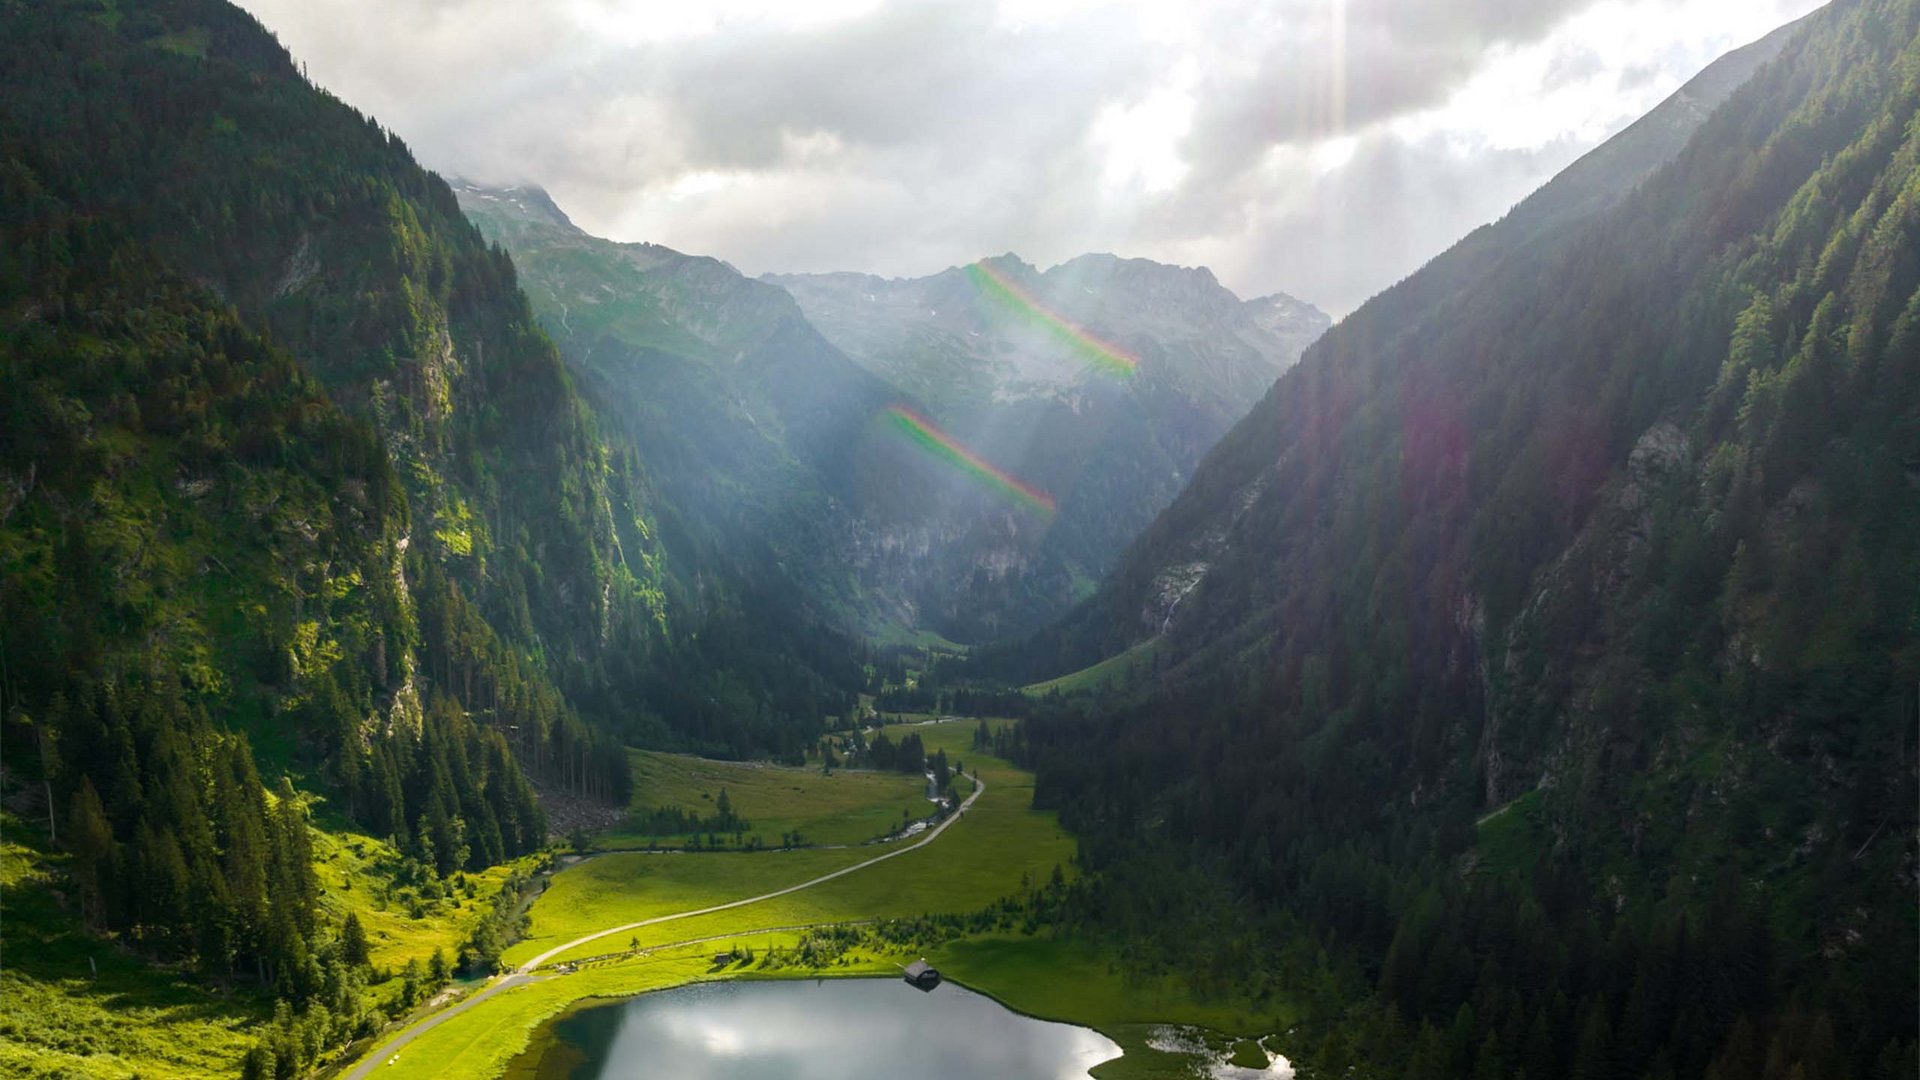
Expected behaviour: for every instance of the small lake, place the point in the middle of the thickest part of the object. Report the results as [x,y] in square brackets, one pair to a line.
[826,1029]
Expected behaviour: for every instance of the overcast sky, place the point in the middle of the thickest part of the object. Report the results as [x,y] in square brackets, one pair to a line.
[1324,148]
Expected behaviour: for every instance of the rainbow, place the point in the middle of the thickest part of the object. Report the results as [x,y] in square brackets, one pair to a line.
[1103,355]
[926,435]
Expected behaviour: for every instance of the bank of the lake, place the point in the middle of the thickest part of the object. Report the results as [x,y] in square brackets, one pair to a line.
[998,848]
[845,1029]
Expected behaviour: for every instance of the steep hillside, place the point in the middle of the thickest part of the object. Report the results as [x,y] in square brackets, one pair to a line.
[1173,555]
[1545,645]
[750,423]
[298,508]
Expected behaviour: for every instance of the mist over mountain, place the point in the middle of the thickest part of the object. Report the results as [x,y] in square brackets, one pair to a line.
[766,420]
[990,348]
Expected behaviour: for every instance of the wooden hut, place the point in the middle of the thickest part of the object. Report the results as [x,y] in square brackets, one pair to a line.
[922,975]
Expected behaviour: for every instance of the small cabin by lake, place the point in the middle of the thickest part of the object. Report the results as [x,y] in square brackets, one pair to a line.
[922,975]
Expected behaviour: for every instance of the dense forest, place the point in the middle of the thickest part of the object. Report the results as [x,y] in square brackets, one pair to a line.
[299,508]
[1538,694]
[1528,687]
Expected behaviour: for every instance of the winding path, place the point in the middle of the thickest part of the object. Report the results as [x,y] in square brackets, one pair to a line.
[524,974]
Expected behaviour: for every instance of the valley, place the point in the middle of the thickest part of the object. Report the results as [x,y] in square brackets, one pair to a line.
[447,634]
[620,923]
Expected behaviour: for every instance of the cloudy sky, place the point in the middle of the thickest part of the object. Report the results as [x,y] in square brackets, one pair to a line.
[1323,148]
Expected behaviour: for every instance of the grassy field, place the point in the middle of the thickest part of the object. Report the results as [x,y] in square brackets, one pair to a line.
[1000,844]
[1114,671]
[356,873]
[608,890]
[996,848]
[847,807]
[140,1019]
[58,1018]
[1073,981]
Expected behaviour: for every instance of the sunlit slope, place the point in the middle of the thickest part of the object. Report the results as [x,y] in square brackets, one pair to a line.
[750,424]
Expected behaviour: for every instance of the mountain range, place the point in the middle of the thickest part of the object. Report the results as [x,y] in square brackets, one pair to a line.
[1517,679]
[771,411]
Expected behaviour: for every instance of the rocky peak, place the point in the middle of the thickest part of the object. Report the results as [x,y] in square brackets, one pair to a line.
[1279,313]
[532,203]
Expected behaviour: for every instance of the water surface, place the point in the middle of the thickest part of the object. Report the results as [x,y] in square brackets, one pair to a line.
[826,1029]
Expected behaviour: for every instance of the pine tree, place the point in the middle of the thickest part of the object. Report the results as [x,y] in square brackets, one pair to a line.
[353,941]
[1593,1055]
[90,839]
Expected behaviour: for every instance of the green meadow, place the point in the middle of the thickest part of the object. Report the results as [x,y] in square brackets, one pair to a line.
[356,874]
[994,850]
[1115,671]
[848,806]
[72,1005]
[998,848]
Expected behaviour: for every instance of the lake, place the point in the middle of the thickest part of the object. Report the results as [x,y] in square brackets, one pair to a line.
[826,1029]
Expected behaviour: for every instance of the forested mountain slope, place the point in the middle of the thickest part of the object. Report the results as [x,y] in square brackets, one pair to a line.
[1545,646]
[292,485]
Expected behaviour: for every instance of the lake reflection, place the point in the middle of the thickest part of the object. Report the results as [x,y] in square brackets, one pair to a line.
[831,1029]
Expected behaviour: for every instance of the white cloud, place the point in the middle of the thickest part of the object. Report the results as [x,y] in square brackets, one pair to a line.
[1141,139]
[1321,147]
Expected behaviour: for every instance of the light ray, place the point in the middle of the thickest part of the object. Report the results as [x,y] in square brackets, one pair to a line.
[926,435]
[1102,354]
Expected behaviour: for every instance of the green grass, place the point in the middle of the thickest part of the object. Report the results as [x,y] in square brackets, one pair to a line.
[1075,981]
[190,42]
[1512,839]
[1066,977]
[142,1019]
[1113,671]
[847,807]
[353,870]
[608,890]
[59,1018]
[893,633]
[999,844]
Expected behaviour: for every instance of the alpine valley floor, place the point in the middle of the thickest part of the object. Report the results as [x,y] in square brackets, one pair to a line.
[818,924]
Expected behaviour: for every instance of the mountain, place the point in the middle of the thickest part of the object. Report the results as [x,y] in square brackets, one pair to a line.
[1137,604]
[1535,666]
[750,423]
[1101,381]
[824,461]
[299,507]
[1190,335]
